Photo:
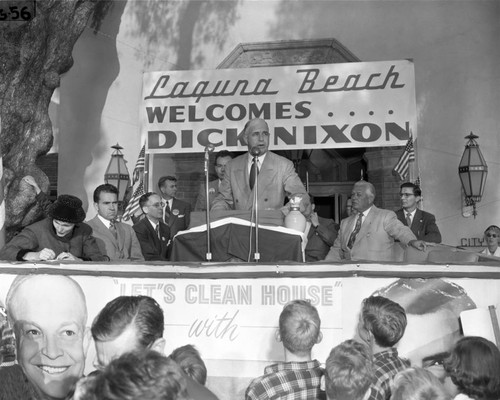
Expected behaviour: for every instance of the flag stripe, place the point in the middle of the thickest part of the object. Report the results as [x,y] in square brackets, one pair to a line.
[138,185]
[403,165]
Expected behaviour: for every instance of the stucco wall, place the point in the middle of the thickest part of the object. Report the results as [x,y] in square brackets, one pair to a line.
[454,45]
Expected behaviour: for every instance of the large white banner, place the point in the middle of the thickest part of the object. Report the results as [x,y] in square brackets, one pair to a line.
[347,105]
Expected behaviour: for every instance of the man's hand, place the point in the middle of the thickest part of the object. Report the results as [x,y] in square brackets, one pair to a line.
[65,256]
[314,219]
[31,181]
[42,255]
[418,244]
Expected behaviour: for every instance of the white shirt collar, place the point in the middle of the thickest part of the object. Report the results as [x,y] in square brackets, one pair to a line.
[411,213]
[105,221]
[153,224]
[260,160]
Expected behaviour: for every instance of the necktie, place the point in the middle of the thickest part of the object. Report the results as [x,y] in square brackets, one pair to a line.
[167,212]
[157,230]
[408,219]
[112,228]
[352,238]
[254,171]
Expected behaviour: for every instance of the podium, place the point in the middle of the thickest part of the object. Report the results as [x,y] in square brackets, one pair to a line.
[233,239]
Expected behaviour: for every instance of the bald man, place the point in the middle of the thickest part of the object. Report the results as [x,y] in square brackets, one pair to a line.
[49,314]
[276,177]
[369,234]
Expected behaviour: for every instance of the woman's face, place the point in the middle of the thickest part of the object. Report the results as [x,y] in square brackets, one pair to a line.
[491,237]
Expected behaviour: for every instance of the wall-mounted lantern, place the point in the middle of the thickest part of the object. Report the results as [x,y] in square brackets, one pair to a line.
[117,173]
[473,172]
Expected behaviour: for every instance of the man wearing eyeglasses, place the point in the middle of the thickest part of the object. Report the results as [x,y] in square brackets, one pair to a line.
[422,223]
[221,159]
[153,234]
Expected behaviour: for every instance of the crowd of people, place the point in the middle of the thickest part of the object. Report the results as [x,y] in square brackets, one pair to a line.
[367,233]
[44,344]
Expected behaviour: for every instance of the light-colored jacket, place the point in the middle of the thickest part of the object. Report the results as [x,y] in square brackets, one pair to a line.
[277,179]
[374,241]
[124,247]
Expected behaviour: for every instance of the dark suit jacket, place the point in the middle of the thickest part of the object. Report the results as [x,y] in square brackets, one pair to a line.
[423,225]
[153,248]
[201,200]
[277,179]
[124,247]
[375,240]
[179,217]
[320,239]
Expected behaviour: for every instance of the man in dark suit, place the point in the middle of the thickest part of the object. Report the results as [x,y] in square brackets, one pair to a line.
[370,233]
[115,239]
[321,233]
[221,159]
[176,212]
[152,233]
[422,224]
[276,175]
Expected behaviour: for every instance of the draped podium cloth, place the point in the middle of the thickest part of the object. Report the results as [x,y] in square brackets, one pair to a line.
[230,238]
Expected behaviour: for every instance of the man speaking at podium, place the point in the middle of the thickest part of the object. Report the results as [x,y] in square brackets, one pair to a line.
[276,175]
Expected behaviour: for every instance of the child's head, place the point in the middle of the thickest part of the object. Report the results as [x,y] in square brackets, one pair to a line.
[383,319]
[417,384]
[348,371]
[190,361]
[299,327]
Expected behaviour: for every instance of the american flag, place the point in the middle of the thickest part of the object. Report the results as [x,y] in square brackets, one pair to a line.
[403,165]
[138,185]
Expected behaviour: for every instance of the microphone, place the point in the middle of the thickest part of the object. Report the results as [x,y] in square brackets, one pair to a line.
[255,151]
[209,148]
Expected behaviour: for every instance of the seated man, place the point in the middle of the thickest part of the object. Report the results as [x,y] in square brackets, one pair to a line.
[371,232]
[61,236]
[221,159]
[135,323]
[136,375]
[382,323]
[152,233]
[48,314]
[276,175]
[321,233]
[115,239]
[348,372]
[176,213]
[298,376]
[422,223]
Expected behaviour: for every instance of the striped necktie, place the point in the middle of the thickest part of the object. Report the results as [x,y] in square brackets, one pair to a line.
[354,233]
[408,219]
[112,228]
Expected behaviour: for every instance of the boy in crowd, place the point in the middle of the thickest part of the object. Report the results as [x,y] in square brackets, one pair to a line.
[349,372]
[298,375]
[381,325]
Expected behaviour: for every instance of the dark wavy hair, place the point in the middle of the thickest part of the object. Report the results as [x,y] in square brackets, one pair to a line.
[474,367]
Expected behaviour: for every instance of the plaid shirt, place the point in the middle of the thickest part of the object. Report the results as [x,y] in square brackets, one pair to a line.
[386,364]
[287,381]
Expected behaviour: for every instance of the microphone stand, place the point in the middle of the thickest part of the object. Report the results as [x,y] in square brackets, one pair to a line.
[208,256]
[256,208]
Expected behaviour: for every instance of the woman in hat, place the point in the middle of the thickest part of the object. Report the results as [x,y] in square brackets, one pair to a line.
[61,236]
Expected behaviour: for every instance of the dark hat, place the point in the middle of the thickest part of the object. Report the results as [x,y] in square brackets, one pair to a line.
[67,208]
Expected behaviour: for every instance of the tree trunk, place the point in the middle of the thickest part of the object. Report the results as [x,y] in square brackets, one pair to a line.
[33,55]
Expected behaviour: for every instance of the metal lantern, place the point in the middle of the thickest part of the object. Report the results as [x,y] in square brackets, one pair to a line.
[117,172]
[473,172]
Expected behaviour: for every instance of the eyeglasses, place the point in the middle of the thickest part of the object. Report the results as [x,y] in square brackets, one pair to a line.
[220,165]
[158,205]
[491,235]
[406,194]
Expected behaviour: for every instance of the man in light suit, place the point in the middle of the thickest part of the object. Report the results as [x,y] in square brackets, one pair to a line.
[422,224]
[115,239]
[176,213]
[376,233]
[276,177]
[221,159]
[153,234]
